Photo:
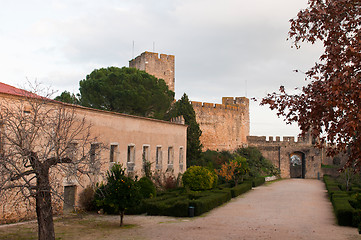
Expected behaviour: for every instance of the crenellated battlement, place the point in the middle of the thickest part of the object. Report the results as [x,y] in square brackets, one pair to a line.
[271,140]
[215,105]
[228,103]
[224,126]
[179,119]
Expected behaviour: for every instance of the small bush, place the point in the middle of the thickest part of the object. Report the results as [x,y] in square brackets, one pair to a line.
[170,182]
[146,188]
[86,199]
[199,178]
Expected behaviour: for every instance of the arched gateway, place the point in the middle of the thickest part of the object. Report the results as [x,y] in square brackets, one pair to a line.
[297,165]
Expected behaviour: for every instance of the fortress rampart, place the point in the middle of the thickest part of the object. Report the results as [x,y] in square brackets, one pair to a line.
[280,154]
[277,140]
[224,126]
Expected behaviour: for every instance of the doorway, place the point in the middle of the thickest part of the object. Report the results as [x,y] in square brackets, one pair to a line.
[297,165]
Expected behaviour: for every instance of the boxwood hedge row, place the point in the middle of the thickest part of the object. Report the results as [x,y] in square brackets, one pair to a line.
[346,215]
[177,202]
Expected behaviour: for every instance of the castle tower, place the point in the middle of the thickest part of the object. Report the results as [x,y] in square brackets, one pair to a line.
[159,66]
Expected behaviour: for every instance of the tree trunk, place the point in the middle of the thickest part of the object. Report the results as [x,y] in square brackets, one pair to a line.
[121,217]
[44,209]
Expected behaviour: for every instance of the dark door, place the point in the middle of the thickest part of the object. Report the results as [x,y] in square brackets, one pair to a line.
[69,197]
[297,165]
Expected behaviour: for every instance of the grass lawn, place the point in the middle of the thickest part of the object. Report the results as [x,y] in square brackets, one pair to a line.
[72,227]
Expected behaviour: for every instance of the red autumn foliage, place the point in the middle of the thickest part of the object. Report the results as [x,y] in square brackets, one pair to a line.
[330,105]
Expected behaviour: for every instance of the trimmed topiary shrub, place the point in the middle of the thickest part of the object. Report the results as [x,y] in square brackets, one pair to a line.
[241,188]
[199,178]
[257,181]
[173,206]
[147,188]
[208,202]
[343,211]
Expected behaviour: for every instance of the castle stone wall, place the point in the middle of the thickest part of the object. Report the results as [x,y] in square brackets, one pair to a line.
[161,66]
[224,126]
[279,153]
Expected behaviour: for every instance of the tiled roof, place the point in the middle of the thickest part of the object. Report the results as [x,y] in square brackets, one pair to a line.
[5,88]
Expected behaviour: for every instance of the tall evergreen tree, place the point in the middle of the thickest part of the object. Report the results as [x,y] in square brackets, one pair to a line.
[194,146]
[126,90]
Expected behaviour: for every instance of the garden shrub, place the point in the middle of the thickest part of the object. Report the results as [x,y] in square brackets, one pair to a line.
[176,206]
[356,218]
[257,181]
[198,178]
[224,185]
[339,194]
[147,188]
[259,165]
[343,211]
[333,189]
[207,203]
[86,199]
[241,188]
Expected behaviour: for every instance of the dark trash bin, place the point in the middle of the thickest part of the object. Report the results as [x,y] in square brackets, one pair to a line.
[191,211]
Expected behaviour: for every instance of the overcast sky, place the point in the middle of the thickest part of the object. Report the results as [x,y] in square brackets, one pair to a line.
[222,48]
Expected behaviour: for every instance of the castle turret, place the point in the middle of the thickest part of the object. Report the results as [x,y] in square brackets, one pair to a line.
[161,67]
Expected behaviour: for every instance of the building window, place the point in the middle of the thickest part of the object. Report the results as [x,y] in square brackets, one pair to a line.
[113,153]
[170,157]
[94,148]
[145,155]
[72,151]
[131,158]
[158,158]
[131,154]
[181,157]
[94,163]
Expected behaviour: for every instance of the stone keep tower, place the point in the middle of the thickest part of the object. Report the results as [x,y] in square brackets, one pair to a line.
[159,66]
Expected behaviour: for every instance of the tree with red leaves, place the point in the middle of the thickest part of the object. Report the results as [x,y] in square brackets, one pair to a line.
[329,106]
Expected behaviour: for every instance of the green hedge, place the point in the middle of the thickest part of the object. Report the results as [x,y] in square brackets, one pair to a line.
[207,203]
[176,206]
[333,189]
[339,194]
[177,202]
[241,188]
[257,181]
[343,210]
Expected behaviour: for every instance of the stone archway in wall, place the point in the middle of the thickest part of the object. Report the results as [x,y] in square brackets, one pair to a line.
[297,165]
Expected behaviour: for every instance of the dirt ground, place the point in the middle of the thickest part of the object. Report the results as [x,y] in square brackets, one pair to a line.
[287,209]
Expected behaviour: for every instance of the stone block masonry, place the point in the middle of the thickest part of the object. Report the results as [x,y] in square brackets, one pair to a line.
[161,66]
[224,126]
[280,153]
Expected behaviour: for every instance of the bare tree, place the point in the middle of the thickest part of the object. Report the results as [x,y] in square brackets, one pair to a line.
[41,143]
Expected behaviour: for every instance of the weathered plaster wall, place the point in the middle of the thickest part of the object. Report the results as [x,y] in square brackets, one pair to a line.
[121,130]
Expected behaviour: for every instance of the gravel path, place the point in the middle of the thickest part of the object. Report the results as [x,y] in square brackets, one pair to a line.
[287,209]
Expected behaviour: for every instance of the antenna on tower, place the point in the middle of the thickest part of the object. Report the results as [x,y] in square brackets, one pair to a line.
[133,50]
[153,46]
[246,87]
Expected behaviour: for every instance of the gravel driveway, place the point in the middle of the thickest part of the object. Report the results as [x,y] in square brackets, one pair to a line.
[287,209]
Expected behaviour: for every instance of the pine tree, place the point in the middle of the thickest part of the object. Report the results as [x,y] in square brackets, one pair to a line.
[194,147]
